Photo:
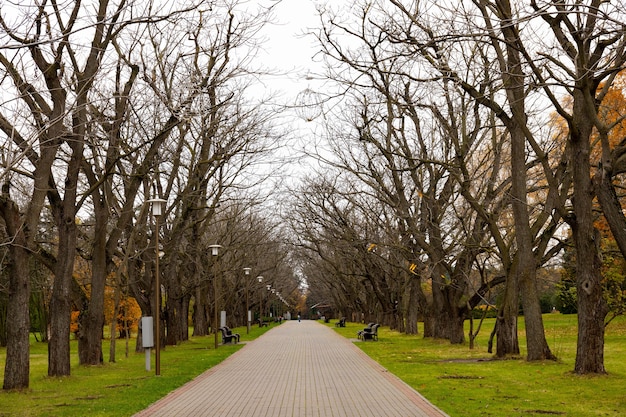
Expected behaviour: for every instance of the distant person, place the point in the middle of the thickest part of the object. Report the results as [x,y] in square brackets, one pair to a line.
[298,317]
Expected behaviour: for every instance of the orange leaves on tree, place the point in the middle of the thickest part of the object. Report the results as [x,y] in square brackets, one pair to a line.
[128,314]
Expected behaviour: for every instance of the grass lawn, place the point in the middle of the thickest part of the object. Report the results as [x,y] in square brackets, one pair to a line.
[466,383]
[460,381]
[112,389]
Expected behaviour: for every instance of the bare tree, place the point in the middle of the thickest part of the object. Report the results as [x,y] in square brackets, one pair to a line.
[590,40]
[412,152]
[86,131]
[211,155]
[41,56]
[434,46]
[335,229]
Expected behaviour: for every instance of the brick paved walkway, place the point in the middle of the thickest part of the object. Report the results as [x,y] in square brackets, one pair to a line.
[298,369]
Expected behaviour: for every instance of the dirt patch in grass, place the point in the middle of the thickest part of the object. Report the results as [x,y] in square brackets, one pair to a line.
[546,412]
[461,377]
[466,360]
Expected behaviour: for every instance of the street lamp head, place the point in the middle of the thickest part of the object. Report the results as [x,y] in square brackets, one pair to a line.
[268,286]
[260,278]
[215,249]
[247,271]
[157,205]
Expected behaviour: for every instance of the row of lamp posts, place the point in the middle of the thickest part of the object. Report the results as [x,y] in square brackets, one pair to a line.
[158,208]
[259,278]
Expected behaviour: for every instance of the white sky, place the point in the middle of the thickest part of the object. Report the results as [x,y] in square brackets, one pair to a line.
[293,55]
[287,50]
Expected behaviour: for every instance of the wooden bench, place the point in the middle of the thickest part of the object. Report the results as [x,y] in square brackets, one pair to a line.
[262,323]
[228,336]
[341,322]
[369,333]
[368,328]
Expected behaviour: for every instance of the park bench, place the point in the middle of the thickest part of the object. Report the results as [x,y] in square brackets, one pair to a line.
[262,323]
[230,333]
[228,336]
[372,333]
[369,333]
[368,328]
[341,322]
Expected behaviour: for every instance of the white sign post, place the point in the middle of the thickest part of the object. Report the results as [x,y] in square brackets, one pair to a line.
[147,337]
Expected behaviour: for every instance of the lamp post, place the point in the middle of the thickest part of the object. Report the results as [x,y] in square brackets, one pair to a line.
[269,288]
[215,250]
[157,205]
[246,272]
[260,279]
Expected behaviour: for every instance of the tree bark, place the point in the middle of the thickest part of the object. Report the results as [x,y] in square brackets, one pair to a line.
[174,315]
[17,366]
[92,320]
[60,303]
[514,80]
[448,317]
[507,342]
[65,217]
[201,314]
[413,306]
[592,308]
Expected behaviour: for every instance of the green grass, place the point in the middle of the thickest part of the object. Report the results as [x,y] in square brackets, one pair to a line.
[460,381]
[112,389]
[466,383]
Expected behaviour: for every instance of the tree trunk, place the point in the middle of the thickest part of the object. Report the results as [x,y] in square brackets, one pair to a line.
[429,325]
[448,316]
[60,303]
[536,343]
[439,314]
[514,80]
[456,333]
[201,313]
[186,301]
[17,366]
[413,306]
[592,308]
[507,342]
[174,313]
[90,337]
[448,319]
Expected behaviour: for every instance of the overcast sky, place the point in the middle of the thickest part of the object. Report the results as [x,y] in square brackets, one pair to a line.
[287,50]
[293,55]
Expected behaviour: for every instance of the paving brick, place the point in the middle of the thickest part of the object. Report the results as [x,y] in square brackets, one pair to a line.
[297,369]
